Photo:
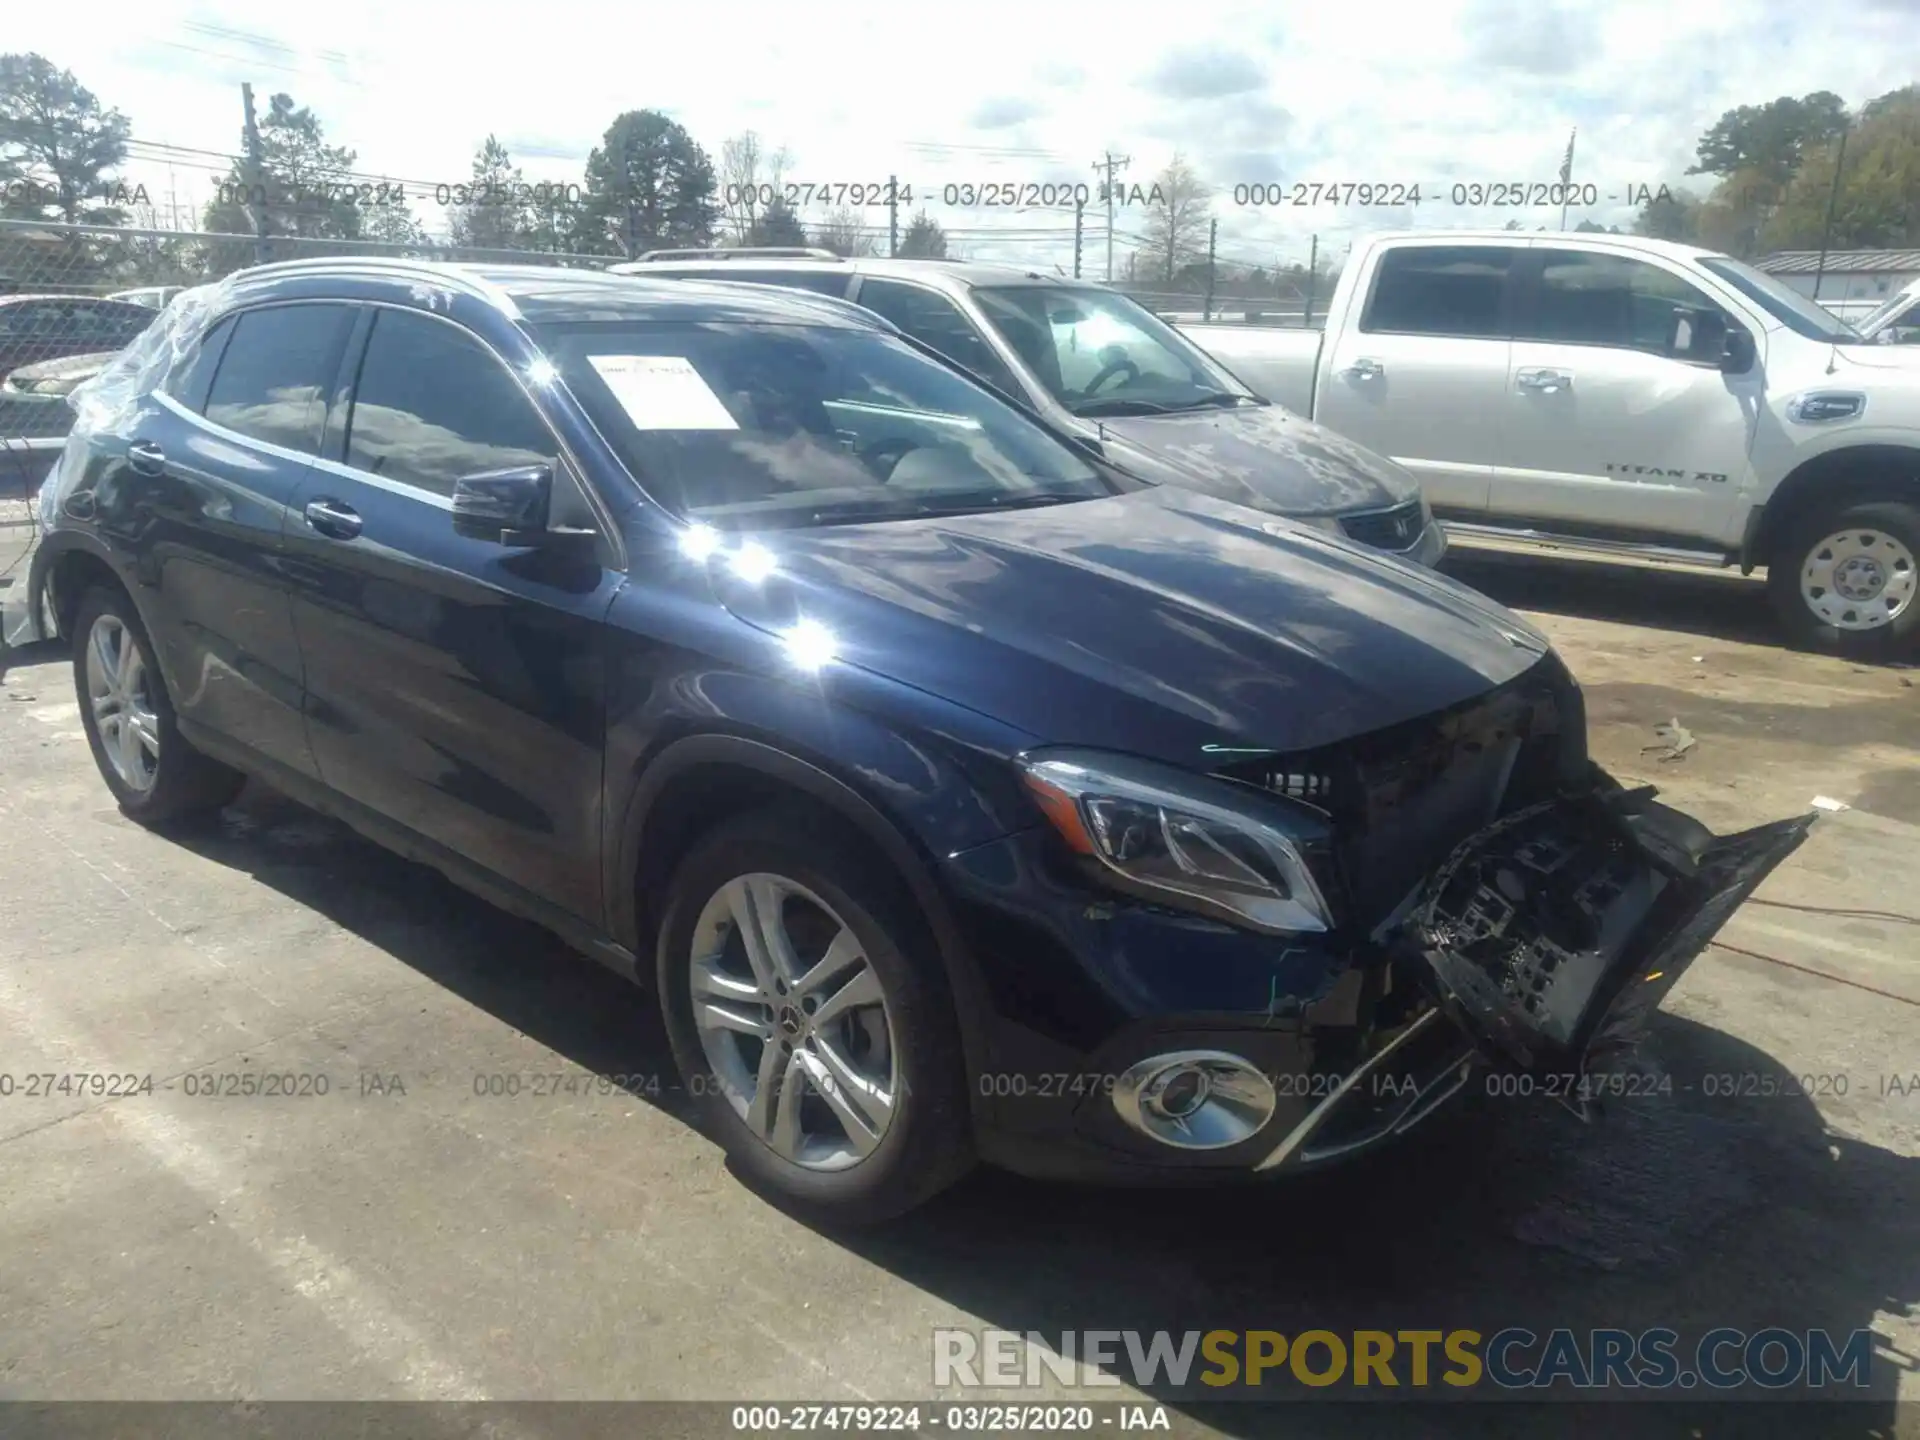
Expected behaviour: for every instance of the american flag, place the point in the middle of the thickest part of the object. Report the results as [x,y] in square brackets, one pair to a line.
[1566,165]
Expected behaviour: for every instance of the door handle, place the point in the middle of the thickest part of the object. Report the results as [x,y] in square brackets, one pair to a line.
[331,518]
[1365,369]
[1546,381]
[147,458]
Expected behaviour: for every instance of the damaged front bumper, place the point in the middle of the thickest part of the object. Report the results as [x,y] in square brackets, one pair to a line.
[1554,933]
[1186,1050]
[1549,938]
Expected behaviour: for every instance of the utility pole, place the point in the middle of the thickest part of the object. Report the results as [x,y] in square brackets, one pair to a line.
[1566,176]
[1833,199]
[893,215]
[1213,235]
[1110,165]
[1079,225]
[1313,279]
[256,183]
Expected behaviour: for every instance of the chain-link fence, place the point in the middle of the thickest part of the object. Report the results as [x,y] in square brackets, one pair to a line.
[1285,306]
[72,295]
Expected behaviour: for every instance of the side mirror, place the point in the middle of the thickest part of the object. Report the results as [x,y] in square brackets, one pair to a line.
[1706,337]
[1699,335]
[507,507]
[1739,353]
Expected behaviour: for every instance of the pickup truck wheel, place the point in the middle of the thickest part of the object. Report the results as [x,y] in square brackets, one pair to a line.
[810,1021]
[1847,581]
[128,716]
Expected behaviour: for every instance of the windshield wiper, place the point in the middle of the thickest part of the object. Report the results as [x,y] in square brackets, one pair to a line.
[973,505]
[1117,406]
[864,512]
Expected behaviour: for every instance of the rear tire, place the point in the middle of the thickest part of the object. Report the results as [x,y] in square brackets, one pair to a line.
[1843,581]
[152,771]
[891,1021]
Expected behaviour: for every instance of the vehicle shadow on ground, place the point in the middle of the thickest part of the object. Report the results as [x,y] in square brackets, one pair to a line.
[1719,605]
[1678,1211]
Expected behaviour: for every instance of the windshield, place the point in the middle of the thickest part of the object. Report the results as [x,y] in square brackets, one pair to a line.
[757,426]
[1100,353]
[1886,312]
[1788,306]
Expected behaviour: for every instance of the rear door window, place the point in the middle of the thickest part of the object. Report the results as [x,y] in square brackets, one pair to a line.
[1453,290]
[276,371]
[933,319]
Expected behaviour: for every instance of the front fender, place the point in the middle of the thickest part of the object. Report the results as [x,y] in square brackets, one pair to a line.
[779,764]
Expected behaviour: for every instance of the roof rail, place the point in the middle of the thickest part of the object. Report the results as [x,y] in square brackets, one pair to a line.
[453,274]
[753,252]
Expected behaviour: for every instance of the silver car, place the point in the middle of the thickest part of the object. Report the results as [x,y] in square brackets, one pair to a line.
[1092,361]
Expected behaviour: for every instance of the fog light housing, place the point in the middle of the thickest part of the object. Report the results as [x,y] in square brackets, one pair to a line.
[1194,1099]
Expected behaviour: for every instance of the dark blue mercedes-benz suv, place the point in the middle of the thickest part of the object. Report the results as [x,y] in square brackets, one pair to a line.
[961,796]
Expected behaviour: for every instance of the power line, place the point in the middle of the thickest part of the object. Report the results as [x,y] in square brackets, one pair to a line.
[264,42]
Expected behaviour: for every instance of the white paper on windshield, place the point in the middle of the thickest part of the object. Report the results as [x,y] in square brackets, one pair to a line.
[662,392]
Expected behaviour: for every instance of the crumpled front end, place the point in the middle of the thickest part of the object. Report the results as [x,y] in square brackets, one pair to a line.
[1499,900]
[1554,933]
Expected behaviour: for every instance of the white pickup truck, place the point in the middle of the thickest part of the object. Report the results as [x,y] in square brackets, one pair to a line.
[1631,396]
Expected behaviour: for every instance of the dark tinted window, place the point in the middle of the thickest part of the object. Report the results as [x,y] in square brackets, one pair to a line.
[189,385]
[432,405]
[1440,290]
[1587,298]
[935,320]
[821,282]
[275,373]
[112,325]
[27,317]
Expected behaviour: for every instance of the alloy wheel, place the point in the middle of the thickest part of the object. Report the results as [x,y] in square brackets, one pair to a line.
[1858,579]
[794,1022]
[120,691]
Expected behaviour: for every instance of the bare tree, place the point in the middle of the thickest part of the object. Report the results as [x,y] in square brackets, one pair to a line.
[843,233]
[750,176]
[1175,230]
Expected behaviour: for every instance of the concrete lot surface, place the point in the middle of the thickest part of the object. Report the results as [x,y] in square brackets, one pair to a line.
[404,1237]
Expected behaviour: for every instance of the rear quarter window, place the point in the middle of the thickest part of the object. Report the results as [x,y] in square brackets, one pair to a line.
[1452,290]
[189,383]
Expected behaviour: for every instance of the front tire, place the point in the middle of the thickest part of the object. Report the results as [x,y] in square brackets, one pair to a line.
[128,716]
[810,1018]
[1846,581]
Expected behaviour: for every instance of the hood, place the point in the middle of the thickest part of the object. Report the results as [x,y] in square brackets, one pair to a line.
[1900,358]
[1257,455]
[1159,622]
[64,373]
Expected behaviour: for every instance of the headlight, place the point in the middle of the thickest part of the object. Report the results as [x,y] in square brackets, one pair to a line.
[1183,839]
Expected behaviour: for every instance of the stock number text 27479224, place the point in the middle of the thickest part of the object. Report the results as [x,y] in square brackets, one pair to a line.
[1275,193]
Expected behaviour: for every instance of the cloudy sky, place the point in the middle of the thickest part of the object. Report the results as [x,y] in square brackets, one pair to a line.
[1432,92]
